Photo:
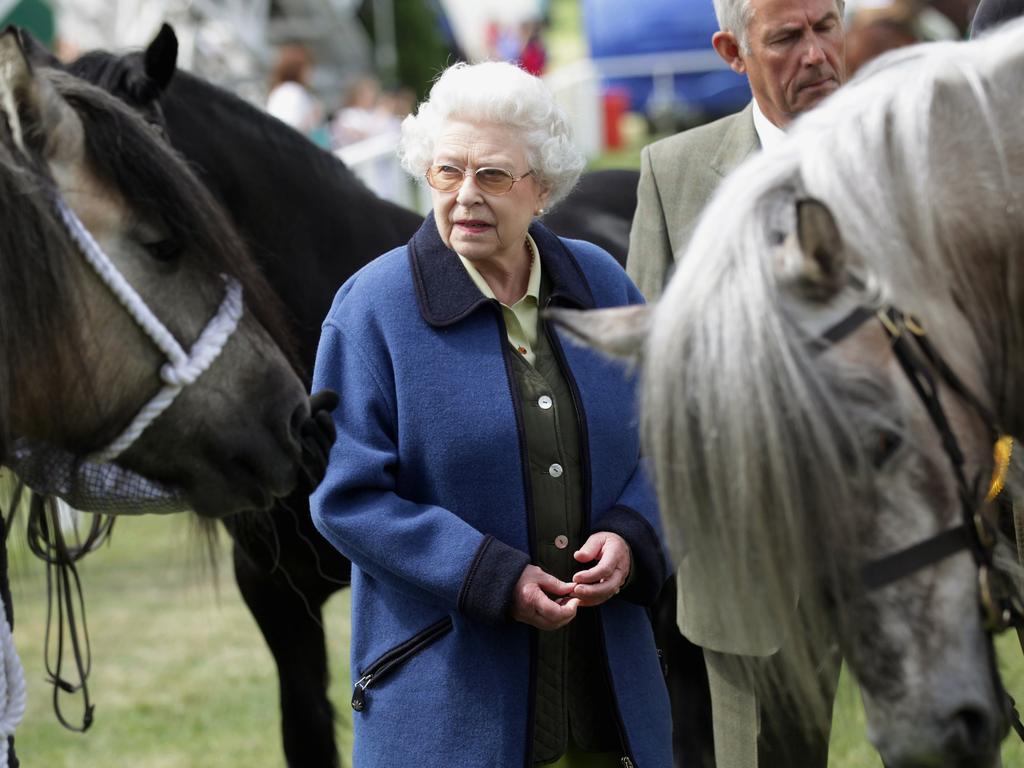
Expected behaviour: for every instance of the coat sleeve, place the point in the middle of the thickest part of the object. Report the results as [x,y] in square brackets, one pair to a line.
[419,549]
[650,251]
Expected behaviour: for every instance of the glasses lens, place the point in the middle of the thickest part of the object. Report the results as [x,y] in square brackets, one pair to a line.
[496,181]
[444,178]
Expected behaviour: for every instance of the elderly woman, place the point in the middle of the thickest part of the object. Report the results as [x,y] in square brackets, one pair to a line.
[486,481]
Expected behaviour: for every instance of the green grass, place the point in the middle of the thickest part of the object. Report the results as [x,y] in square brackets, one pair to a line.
[182,678]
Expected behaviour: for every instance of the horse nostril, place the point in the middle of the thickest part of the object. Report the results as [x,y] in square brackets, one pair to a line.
[969,732]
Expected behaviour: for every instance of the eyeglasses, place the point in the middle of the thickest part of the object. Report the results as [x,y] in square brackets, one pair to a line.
[493,181]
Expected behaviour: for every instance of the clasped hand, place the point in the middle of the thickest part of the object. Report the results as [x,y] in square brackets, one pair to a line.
[546,602]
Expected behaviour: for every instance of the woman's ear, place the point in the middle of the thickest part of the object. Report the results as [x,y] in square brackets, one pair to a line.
[542,201]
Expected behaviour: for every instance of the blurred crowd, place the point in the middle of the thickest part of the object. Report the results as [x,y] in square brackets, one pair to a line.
[365,108]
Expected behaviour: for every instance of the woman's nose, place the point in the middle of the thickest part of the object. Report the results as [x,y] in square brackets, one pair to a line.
[468,192]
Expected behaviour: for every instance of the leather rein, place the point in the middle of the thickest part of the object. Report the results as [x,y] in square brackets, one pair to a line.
[1001,604]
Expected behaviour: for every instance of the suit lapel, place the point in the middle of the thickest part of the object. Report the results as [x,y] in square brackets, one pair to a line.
[739,142]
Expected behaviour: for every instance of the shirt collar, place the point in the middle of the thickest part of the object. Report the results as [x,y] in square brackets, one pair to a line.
[768,132]
[532,286]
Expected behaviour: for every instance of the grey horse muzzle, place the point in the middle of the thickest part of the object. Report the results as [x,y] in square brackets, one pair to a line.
[87,486]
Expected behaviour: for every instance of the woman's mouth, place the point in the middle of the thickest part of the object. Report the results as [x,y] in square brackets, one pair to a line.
[473,226]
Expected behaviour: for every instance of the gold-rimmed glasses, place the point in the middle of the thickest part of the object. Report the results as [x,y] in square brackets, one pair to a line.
[494,181]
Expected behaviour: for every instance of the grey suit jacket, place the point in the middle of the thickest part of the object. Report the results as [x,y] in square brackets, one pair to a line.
[678,175]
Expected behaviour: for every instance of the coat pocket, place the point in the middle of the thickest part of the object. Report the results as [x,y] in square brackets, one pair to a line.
[396,657]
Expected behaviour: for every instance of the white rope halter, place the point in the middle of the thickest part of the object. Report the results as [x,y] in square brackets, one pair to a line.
[182,368]
[12,686]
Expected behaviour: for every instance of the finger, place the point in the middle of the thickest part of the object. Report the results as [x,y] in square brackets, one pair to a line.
[600,572]
[591,549]
[595,594]
[552,585]
[550,615]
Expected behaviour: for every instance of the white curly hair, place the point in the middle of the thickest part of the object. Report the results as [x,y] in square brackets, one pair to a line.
[500,93]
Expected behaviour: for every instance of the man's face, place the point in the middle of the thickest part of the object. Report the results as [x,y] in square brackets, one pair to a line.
[797,55]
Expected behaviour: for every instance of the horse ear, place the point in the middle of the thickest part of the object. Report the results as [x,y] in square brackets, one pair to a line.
[161,57]
[37,117]
[20,100]
[618,332]
[37,53]
[823,267]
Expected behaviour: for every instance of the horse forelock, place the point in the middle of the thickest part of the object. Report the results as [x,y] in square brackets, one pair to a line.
[755,440]
[128,154]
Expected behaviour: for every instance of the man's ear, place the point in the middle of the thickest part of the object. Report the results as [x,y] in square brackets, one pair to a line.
[727,46]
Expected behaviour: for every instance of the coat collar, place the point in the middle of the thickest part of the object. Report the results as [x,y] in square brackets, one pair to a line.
[446,294]
[739,142]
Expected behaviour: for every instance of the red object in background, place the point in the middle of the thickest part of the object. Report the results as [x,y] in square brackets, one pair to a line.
[616,102]
[533,57]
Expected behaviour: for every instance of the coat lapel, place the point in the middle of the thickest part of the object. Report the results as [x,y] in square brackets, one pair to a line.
[446,294]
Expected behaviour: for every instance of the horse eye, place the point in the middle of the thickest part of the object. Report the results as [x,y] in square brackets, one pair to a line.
[167,249]
[886,444]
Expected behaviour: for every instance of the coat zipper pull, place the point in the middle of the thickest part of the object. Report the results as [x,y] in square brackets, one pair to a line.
[359,693]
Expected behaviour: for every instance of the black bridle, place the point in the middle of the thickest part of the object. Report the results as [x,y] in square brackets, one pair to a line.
[1001,604]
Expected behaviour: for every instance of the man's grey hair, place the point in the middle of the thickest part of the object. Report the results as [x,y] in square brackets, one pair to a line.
[503,94]
[735,16]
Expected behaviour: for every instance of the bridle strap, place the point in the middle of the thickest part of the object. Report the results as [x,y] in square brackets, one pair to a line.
[182,368]
[899,565]
[1000,606]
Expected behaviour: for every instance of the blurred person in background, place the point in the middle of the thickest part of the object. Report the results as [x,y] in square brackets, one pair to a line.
[363,114]
[290,98]
[792,52]
[488,486]
[533,57]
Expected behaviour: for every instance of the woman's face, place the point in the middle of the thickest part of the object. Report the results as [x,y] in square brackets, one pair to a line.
[485,228]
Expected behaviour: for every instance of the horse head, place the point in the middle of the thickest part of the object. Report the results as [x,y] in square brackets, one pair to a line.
[157,363]
[822,380]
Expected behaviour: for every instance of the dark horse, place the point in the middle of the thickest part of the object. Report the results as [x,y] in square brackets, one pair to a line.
[79,359]
[128,311]
[311,224]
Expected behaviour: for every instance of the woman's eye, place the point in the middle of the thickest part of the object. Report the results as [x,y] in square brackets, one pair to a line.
[886,444]
[492,174]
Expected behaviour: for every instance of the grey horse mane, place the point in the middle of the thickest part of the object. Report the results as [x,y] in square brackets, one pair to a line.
[758,456]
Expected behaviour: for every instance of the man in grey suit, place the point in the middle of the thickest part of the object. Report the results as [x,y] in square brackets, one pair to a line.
[793,54]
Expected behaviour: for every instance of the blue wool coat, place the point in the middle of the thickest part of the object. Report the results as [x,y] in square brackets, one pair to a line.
[428,494]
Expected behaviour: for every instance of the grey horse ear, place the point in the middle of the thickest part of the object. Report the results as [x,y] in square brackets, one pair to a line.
[619,332]
[823,268]
[20,97]
[37,117]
